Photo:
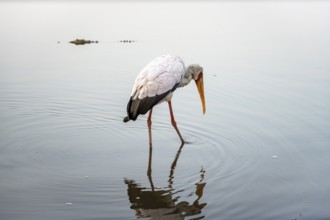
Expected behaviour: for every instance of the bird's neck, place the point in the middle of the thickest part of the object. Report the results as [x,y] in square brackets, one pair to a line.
[186,78]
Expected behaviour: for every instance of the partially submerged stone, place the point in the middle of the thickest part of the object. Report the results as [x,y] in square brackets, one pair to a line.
[82,42]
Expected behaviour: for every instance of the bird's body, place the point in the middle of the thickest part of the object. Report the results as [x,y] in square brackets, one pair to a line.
[157,82]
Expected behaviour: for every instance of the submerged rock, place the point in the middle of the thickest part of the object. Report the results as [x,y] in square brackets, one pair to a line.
[82,42]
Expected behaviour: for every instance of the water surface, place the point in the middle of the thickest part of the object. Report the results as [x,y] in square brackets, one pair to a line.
[261,151]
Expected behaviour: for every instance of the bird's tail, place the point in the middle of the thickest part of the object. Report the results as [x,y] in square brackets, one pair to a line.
[126,119]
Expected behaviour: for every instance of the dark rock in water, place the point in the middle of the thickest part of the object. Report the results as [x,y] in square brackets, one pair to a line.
[82,42]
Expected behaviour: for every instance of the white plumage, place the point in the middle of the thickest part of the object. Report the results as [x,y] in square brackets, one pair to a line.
[157,81]
[158,77]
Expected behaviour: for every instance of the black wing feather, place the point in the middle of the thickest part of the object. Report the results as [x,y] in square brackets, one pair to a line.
[136,107]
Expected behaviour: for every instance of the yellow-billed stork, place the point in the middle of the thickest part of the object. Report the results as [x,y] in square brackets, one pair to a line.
[156,83]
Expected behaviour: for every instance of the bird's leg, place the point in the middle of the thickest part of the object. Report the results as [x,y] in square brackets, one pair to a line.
[149,128]
[174,122]
[150,170]
[150,151]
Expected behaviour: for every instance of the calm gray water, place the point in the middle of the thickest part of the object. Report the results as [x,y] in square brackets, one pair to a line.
[261,151]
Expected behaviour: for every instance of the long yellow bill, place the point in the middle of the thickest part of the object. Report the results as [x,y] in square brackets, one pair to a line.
[200,88]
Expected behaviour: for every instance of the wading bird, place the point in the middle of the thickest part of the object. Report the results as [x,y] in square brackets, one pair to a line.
[156,83]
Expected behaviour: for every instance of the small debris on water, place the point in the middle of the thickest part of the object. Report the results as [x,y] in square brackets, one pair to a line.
[274,157]
[127,41]
[86,177]
[68,203]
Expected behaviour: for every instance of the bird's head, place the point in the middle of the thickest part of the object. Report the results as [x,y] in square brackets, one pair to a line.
[196,72]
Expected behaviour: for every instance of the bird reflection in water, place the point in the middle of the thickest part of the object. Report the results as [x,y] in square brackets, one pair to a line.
[164,203]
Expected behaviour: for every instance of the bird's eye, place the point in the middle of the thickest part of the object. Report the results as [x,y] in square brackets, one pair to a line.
[200,75]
